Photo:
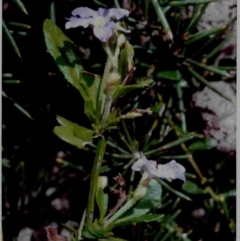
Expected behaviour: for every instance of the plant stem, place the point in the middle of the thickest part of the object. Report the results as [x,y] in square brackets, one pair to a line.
[94,178]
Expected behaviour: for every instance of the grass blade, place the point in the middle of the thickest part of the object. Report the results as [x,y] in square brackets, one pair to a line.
[197,14]
[11,39]
[186,3]
[219,47]
[203,34]
[53,12]
[162,18]
[21,25]
[21,6]
[208,84]
[15,104]
[209,68]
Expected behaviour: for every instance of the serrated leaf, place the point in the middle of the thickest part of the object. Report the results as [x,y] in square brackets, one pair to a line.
[123,90]
[171,75]
[72,133]
[202,145]
[102,202]
[63,51]
[191,187]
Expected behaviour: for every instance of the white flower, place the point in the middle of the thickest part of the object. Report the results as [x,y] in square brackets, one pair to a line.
[100,20]
[171,170]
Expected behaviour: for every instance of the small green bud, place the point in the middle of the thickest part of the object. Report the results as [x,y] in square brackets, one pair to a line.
[102,182]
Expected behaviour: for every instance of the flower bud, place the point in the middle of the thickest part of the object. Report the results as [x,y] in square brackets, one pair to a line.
[111,82]
[121,40]
[102,182]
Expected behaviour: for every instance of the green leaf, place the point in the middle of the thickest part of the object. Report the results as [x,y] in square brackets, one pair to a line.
[151,200]
[202,145]
[144,218]
[171,75]
[192,188]
[95,95]
[72,133]
[95,231]
[63,51]
[123,90]
[125,64]
[102,202]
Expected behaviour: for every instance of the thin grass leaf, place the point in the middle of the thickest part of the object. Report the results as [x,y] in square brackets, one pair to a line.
[173,217]
[12,81]
[163,183]
[149,133]
[21,25]
[11,39]
[219,47]
[165,118]
[209,68]
[127,133]
[172,144]
[165,204]
[208,84]
[167,235]
[120,156]
[162,18]
[196,16]
[227,68]
[116,4]
[7,75]
[53,12]
[181,106]
[193,2]
[15,104]
[203,34]
[100,3]
[122,137]
[176,157]
[200,49]
[21,6]
[176,203]
[112,144]
[129,163]
[69,164]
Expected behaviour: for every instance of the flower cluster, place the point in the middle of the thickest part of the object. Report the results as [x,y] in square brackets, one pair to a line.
[171,170]
[100,20]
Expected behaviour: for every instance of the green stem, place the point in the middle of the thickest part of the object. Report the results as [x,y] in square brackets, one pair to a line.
[94,178]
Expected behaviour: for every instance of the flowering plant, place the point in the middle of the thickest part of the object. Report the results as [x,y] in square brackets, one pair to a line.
[99,94]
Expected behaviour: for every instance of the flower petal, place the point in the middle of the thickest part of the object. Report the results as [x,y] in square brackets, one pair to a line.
[116,13]
[103,34]
[84,12]
[171,170]
[76,22]
[138,165]
[118,27]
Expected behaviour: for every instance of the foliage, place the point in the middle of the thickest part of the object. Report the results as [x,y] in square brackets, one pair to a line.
[170,66]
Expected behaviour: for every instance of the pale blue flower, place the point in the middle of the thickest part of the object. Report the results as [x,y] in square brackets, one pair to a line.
[172,169]
[100,20]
